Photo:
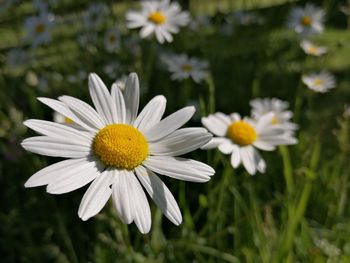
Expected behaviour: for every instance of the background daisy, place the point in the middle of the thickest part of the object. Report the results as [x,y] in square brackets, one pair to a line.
[242,137]
[319,81]
[306,21]
[182,67]
[160,18]
[312,49]
[38,28]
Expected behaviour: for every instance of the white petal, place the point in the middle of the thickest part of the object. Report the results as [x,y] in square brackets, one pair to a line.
[84,111]
[260,163]
[226,147]
[180,168]
[132,96]
[119,104]
[62,108]
[215,125]
[50,173]
[142,211]
[151,113]
[101,98]
[123,195]
[59,131]
[96,196]
[214,143]
[247,156]
[77,176]
[263,145]
[235,157]
[160,194]
[170,124]
[180,142]
[55,147]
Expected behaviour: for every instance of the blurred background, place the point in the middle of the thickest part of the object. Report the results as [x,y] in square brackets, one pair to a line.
[48,48]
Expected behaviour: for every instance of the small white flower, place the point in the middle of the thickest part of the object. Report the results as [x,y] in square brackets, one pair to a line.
[320,82]
[306,21]
[112,39]
[95,15]
[120,83]
[38,28]
[119,151]
[59,118]
[242,137]
[312,49]
[161,18]
[281,116]
[182,67]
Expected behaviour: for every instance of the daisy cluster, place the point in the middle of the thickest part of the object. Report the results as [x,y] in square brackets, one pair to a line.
[306,22]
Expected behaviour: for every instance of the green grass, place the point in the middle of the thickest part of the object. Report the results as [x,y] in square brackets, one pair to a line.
[296,212]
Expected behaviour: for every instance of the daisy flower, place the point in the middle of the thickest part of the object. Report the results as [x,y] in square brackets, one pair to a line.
[281,116]
[242,137]
[38,28]
[311,49]
[112,39]
[182,67]
[161,18]
[119,151]
[320,82]
[306,21]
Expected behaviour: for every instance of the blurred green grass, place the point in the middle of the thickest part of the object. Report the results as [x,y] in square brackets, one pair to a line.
[234,217]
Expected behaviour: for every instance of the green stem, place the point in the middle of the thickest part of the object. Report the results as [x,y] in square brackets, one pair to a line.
[287,169]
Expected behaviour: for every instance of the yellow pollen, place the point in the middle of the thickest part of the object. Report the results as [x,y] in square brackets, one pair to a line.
[157,17]
[306,20]
[121,146]
[318,82]
[241,133]
[68,120]
[186,68]
[39,28]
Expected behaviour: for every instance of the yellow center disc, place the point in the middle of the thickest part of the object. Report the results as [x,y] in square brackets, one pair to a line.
[241,133]
[157,17]
[121,146]
[306,20]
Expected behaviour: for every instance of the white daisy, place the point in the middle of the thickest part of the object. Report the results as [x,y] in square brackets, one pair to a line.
[312,49]
[306,21]
[38,28]
[182,67]
[281,116]
[320,82]
[240,138]
[118,151]
[161,18]
[112,39]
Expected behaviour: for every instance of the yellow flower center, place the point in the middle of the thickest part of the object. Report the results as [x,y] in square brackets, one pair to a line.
[318,82]
[306,20]
[186,67]
[157,17]
[112,39]
[121,146]
[313,50]
[274,120]
[39,28]
[241,133]
[68,120]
